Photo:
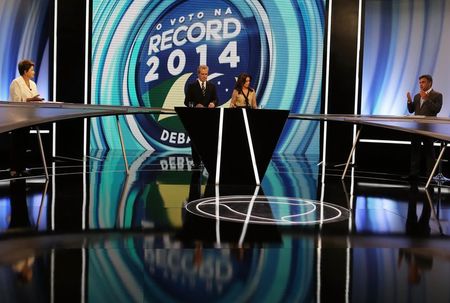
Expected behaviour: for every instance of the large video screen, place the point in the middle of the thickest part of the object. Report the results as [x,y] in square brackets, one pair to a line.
[144,53]
[402,40]
[24,34]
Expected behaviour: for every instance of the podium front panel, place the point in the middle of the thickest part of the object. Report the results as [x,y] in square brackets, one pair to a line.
[243,151]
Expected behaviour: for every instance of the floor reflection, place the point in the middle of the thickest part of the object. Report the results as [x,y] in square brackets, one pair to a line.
[19,216]
[158,267]
[401,209]
[23,206]
[94,233]
[100,195]
[153,194]
[205,274]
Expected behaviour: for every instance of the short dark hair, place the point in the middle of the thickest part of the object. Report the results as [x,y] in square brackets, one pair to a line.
[428,77]
[24,66]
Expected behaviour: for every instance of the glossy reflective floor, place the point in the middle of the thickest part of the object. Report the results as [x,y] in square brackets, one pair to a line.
[164,234]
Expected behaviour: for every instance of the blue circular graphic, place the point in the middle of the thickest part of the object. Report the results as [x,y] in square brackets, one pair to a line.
[185,35]
[145,52]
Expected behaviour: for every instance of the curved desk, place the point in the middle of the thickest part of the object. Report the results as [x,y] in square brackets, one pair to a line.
[14,115]
[433,127]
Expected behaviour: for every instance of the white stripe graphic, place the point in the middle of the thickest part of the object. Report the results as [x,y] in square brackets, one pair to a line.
[219,147]
[250,146]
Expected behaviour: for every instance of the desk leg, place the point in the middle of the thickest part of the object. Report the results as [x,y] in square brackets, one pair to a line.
[44,193]
[122,144]
[42,152]
[351,153]
[436,165]
[435,217]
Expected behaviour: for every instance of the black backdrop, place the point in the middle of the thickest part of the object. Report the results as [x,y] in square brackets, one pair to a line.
[70,73]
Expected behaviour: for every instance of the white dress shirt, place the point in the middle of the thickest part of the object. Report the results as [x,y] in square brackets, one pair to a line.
[19,90]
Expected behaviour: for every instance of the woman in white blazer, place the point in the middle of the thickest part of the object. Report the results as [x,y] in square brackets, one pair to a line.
[22,89]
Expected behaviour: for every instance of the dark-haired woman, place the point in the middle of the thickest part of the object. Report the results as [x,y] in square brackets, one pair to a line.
[22,89]
[243,95]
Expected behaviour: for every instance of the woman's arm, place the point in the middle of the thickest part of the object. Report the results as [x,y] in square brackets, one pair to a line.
[233,98]
[35,93]
[253,101]
[14,92]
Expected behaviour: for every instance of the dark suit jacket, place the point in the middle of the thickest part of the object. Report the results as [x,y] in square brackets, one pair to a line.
[194,94]
[431,107]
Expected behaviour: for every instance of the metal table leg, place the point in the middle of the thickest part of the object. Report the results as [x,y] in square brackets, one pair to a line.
[435,217]
[436,165]
[351,152]
[44,163]
[440,178]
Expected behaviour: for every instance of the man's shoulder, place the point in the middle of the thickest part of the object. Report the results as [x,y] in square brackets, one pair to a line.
[436,92]
[191,86]
[193,83]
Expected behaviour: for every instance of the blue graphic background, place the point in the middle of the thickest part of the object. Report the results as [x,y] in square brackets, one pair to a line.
[282,50]
[24,34]
[403,40]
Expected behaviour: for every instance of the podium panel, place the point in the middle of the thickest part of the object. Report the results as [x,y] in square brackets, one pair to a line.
[235,145]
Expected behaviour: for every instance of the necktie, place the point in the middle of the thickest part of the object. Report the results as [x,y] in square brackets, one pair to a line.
[203,89]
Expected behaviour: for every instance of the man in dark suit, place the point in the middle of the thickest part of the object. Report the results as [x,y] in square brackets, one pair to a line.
[427,102]
[200,93]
